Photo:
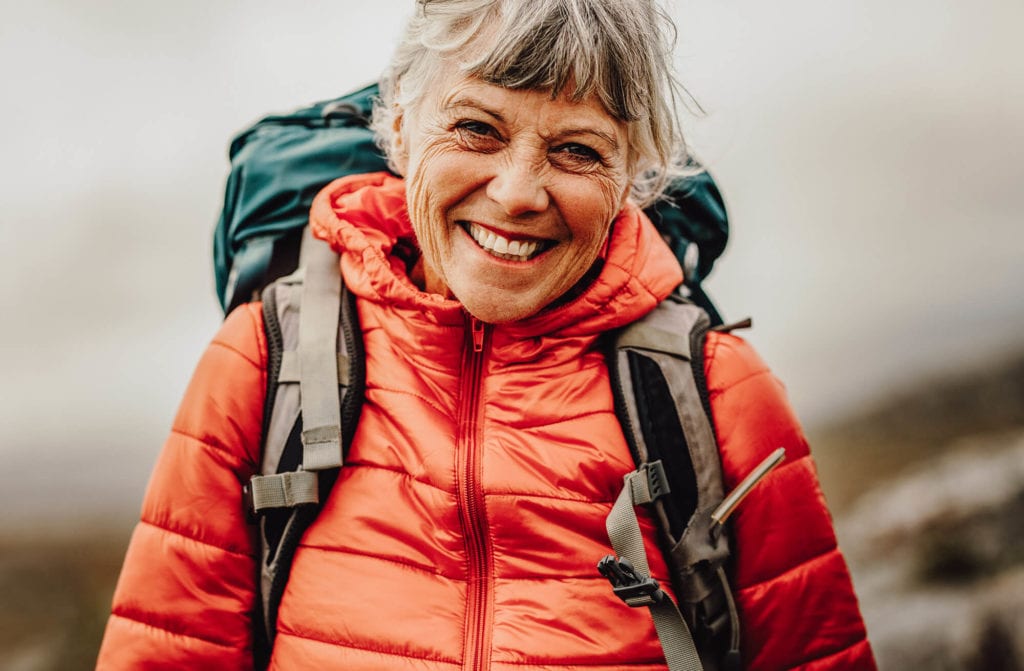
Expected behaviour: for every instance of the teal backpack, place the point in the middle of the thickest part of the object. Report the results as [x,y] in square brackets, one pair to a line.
[316,375]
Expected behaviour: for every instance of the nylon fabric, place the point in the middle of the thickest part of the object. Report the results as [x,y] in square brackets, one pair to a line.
[284,490]
[627,539]
[623,527]
[380,580]
[318,357]
[290,367]
[680,652]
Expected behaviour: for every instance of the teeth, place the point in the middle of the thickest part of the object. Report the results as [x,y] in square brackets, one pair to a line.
[503,248]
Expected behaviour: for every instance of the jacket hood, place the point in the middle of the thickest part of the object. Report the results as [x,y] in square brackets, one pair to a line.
[364,218]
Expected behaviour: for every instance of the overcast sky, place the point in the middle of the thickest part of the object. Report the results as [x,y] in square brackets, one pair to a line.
[869,152]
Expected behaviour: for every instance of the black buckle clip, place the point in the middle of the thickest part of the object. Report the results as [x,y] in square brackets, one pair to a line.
[627,584]
[252,516]
[657,479]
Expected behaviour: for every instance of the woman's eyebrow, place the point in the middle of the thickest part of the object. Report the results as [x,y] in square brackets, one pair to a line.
[607,137]
[476,103]
[469,101]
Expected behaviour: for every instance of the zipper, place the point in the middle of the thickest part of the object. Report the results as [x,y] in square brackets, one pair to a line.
[477,327]
[477,648]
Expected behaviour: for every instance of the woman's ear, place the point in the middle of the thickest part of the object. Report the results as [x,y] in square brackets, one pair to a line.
[625,194]
[399,147]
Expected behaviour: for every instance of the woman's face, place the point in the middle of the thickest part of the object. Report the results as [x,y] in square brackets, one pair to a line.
[511,194]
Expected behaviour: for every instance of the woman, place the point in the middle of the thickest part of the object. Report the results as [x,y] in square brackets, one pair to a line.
[465,524]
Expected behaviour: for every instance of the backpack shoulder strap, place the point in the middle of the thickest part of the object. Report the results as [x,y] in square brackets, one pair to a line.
[315,387]
[657,372]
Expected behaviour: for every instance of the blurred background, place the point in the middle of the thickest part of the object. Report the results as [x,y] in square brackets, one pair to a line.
[870,156]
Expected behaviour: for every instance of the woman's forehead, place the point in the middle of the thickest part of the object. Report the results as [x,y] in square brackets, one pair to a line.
[456,92]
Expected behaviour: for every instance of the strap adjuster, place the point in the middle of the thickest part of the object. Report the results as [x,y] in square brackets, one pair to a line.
[634,589]
[279,490]
[248,505]
[648,483]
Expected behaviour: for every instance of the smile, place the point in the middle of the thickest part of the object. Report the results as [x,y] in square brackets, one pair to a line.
[503,248]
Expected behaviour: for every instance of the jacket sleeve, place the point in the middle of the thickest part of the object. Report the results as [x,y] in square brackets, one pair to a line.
[186,591]
[793,590]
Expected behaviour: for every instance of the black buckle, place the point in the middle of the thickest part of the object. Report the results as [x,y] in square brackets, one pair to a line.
[251,515]
[657,479]
[631,588]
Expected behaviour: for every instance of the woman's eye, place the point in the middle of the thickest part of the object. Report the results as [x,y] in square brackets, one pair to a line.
[577,154]
[476,128]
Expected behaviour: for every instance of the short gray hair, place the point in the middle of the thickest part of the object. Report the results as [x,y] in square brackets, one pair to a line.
[619,50]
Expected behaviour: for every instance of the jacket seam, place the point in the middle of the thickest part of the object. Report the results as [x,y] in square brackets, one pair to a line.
[585,665]
[240,353]
[736,383]
[383,558]
[596,577]
[168,529]
[546,497]
[814,558]
[489,494]
[397,471]
[219,449]
[438,409]
[633,276]
[582,415]
[131,617]
[307,636]
[710,353]
[846,648]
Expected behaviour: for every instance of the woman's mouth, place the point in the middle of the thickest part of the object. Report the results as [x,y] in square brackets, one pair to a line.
[502,247]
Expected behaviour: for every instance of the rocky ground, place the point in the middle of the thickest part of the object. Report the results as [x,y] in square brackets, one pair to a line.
[938,559]
[928,491]
[54,598]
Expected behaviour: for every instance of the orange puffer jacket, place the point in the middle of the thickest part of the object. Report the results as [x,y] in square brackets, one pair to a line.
[465,526]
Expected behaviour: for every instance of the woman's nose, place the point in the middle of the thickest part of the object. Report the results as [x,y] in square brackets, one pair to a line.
[518,189]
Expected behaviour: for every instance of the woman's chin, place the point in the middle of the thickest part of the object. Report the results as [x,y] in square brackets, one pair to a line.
[498,314]
[498,309]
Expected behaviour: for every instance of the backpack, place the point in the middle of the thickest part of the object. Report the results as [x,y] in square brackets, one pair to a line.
[316,380]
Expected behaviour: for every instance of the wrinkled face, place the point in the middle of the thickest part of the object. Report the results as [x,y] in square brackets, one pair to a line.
[511,194]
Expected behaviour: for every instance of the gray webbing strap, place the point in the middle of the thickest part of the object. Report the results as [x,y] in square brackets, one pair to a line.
[290,367]
[283,490]
[624,534]
[318,358]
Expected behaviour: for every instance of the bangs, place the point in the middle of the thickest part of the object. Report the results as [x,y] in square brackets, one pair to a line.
[619,51]
[565,47]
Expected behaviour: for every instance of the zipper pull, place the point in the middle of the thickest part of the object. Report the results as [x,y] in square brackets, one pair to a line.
[477,327]
[728,505]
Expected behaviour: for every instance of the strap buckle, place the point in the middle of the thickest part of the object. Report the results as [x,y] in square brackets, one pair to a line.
[252,516]
[647,483]
[279,490]
[634,590]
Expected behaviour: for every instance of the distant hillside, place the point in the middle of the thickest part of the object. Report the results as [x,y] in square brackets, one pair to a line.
[909,428]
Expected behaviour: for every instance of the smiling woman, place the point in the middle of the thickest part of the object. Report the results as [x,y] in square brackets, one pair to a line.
[465,525]
[511,193]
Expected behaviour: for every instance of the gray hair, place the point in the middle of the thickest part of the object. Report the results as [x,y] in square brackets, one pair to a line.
[619,50]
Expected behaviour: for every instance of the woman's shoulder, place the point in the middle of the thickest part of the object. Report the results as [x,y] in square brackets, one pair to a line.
[242,332]
[749,406]
[729,360]
[223,403]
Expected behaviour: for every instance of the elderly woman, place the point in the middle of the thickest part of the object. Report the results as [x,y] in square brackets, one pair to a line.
[465,524]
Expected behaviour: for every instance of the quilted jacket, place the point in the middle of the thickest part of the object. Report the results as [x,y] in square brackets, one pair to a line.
[465,526]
